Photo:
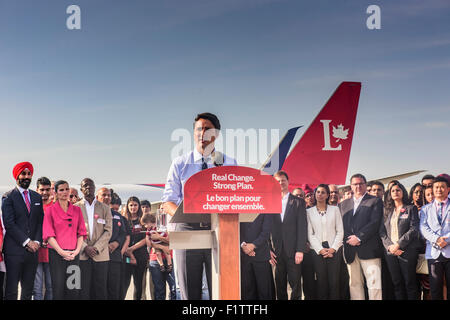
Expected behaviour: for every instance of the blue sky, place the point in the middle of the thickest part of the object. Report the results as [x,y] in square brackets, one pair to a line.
[103,101]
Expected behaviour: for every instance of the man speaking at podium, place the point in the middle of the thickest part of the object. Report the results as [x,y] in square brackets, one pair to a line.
[189,263]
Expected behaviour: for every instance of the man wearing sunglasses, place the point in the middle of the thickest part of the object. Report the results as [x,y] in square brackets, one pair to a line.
[74,198]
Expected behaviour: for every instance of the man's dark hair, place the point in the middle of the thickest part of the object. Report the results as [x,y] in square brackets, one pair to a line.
[370,183]
[282,173]
[43,181]
[115,199]
[440,179]
[378,183]
[208,116]
[145,203]
[427,176]
[358,175]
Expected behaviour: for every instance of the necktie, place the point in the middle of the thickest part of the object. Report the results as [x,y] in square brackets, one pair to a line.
[27,202]
[203,224]
[204,165]
[440,211]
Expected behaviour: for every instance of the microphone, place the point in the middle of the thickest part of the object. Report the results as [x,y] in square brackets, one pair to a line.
[217,158]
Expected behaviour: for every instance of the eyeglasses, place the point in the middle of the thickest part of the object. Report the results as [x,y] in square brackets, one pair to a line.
[72,195]
[358,184]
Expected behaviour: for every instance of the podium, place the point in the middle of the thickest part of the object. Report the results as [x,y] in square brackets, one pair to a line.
[201,200]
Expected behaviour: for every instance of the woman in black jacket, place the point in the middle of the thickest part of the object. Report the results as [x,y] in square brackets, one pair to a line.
[399,234]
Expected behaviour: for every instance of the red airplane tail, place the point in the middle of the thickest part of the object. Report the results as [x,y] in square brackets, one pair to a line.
[323,152]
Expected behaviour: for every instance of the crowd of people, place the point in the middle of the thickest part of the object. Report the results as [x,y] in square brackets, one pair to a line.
[359,242]
[59,246]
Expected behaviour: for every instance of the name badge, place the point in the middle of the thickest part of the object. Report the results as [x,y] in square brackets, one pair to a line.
[116,217]
[137,226]
[37,204]
[404,216]
[102,221]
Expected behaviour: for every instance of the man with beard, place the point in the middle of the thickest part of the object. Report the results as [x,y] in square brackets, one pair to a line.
[23,216]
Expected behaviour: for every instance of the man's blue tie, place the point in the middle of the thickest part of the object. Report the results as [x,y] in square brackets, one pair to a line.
[440,211]
[204,165]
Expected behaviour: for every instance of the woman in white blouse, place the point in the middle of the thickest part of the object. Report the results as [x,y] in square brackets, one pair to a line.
[325,234]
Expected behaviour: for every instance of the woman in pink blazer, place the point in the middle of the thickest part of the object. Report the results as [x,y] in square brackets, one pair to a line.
[64,230]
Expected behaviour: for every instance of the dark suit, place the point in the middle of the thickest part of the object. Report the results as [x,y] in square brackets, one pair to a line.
[21,225]
[256,271]
[403,268]
[364,224]
[289,236]
[119,233]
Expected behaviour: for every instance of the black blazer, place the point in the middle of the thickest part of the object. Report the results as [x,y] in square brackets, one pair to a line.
[290,234]
[408,229]
[365,224]
[119,233]
[19,224]
[258,233]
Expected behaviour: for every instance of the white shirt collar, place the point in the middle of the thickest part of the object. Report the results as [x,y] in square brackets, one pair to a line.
[90,205]
[198,156]
[359,199]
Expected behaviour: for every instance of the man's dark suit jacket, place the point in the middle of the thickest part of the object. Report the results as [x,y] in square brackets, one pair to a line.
[258,233]
[119,233]
[365,224]
[19,224]
[291,234]
[408,229]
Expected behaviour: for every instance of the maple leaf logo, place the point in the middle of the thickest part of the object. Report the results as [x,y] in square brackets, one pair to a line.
[340,132]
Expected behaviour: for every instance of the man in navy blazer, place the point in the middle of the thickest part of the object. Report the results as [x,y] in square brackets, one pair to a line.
[256,277]
[23,216]
[435,228]
[362,216]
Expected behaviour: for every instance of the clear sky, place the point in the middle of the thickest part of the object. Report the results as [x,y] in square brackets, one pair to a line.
[103,101]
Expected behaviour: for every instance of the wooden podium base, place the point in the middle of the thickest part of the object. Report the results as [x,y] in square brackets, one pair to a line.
[229,257]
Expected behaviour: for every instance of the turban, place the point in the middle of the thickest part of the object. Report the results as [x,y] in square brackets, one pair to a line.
[18,168]
[307,188]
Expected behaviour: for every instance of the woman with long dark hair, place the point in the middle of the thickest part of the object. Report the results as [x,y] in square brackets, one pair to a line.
[137,249]
[325,234]
[399,233]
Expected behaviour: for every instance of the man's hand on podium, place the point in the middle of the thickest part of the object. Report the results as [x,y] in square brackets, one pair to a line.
[169,208]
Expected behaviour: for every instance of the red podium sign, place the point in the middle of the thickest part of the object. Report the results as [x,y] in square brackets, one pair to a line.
[232,189]
[227,192]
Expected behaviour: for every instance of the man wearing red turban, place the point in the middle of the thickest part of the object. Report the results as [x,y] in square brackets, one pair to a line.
[24,171]
[22,217]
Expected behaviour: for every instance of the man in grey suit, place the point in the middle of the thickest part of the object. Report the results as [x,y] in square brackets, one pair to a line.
[435,228]
[362,215]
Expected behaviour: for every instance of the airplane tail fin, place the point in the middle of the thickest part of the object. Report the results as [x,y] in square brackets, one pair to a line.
[323,152]
[276,159]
